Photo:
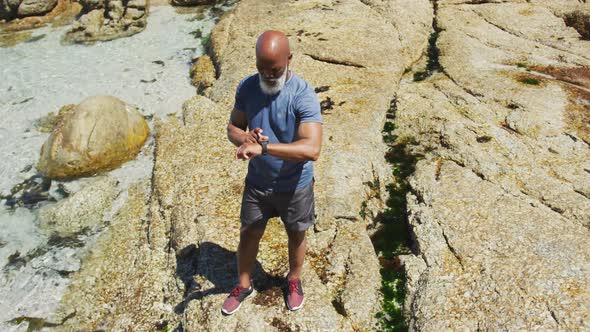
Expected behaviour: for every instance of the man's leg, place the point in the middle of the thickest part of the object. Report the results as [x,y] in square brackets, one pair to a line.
[247,251]
[253,222]
[297,212]
[297,247]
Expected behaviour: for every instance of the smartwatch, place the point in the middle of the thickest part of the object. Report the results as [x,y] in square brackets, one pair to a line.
[264,146]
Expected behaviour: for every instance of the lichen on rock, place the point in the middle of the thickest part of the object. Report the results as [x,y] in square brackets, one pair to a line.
[202,74]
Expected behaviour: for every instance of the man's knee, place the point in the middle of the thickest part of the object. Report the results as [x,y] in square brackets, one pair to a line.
[296,236]
[251,233]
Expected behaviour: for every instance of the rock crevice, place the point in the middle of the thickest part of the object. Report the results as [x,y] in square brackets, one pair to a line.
[502,176]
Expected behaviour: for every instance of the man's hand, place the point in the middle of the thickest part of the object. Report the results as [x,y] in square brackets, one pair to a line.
[254,135]
[236,130]
[249,150]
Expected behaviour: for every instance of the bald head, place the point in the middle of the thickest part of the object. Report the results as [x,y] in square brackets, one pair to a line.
[272,44]
[272,53]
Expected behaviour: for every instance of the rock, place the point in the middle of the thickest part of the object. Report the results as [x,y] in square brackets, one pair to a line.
[90,23]
[412,29]
[100,133]
[175,264]
[115,10]
[499,209]
[8,9]
[343,284]
[83,211]
[138,4]
[580,21]
[28,14]
[134,13]
[35,7]
[128,280]
[63,13]
[202,74]
[47,123]
[192,2]
[528,273]
[103,21]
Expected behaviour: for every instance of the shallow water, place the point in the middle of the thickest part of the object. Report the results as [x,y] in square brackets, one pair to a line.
[149,70]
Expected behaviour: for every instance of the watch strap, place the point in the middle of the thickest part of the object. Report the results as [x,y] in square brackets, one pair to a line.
[264,145]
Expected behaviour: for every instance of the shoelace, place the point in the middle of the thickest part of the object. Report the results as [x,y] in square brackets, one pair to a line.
[236,292]
[293,286]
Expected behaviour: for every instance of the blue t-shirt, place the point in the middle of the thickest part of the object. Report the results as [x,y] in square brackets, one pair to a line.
[279,117]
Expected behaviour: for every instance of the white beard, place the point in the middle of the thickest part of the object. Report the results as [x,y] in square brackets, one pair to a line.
[278,83]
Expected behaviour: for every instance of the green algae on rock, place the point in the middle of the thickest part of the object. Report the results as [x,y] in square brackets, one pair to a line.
[392,238]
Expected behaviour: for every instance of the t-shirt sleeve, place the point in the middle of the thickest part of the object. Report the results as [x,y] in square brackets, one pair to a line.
[239,100]
[308,106]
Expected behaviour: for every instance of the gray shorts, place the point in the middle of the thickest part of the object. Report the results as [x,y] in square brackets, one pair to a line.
[296,208]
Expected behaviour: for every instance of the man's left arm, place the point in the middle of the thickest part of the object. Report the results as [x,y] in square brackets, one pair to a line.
[307,146]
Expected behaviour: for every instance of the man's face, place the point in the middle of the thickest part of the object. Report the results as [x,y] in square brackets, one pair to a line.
[272,73]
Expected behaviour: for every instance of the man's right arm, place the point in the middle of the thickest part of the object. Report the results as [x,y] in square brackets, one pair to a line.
[236,128]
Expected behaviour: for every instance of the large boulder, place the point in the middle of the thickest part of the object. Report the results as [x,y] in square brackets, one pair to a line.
[127,282]
[100,133]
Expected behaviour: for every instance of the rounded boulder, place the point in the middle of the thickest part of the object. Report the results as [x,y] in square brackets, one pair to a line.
[100,133]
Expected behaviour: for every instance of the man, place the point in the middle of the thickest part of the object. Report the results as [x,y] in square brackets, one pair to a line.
[283,116]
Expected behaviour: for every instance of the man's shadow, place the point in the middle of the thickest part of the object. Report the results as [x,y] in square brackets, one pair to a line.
[219,266]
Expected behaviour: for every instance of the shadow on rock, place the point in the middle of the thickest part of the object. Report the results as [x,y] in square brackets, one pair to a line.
[219,267]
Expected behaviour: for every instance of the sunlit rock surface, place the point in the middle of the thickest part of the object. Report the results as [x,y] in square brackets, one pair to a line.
[100,133]
[500,208]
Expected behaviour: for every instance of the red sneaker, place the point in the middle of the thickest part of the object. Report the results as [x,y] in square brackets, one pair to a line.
[295,297]
[235,298]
